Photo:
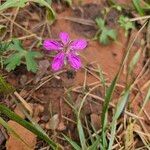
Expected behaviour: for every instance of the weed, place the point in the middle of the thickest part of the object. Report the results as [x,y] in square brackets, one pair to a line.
[104,34]
[19,53]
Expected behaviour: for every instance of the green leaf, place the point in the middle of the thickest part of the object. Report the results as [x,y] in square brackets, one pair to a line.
[13,3]
[81,134]
[13,61]
[138,7]
[72,143]
[49,1]
[69,2]
[95,145]
[50,11]
[134,61]
[50,16]
[108,97]
[16,44]
[3,47]
[21,54]
[30,62]
[27,125]
[100,23]
[103,38]
[112,34]
[119,109]
[106,35]
[126,24]
[22,3]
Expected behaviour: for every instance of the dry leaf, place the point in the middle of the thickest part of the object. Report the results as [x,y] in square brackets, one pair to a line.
[19,112]
[53,122]
[37,109]
[61,126]
[16,144]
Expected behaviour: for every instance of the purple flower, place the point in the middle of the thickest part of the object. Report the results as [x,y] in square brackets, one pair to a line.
[67,51]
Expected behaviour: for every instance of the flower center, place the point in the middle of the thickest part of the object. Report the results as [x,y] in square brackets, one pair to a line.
[66,48]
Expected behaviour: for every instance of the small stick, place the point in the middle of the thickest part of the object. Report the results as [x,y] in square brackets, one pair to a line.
[26,105]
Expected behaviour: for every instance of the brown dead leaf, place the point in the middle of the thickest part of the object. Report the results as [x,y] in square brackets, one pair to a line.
[37,109]
[61,126]
[53,122]
[15,144]
[19,112]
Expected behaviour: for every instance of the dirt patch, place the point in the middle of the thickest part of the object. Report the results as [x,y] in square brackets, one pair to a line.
[88,11]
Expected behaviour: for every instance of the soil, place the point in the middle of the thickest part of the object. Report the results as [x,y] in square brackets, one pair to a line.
[53,93]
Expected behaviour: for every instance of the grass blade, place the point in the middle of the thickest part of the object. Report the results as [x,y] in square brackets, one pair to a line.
[27,125]
[119,109]
[81,134]
[72,143]
[134,61]
[9,129]
[95,145]
[138,7]
[108,97]
[44,3]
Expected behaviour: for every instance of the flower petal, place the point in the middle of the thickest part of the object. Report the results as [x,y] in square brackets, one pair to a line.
[58,61]
[78,44]
[52,45]
[64,36]
[74,60]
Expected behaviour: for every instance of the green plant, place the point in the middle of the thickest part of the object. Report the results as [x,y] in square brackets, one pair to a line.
[126,24]
[69,2]
[3,48]
[22,3]
[141,6]
[106,137]
[31,127]
[104,34]
[19,54]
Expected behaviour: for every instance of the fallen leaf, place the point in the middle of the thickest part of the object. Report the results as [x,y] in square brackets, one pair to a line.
[37,109]
[53,122]
[19,112]
[15,144]
[61,126]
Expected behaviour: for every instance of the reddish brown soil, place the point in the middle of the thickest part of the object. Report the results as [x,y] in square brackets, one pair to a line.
[51,95]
